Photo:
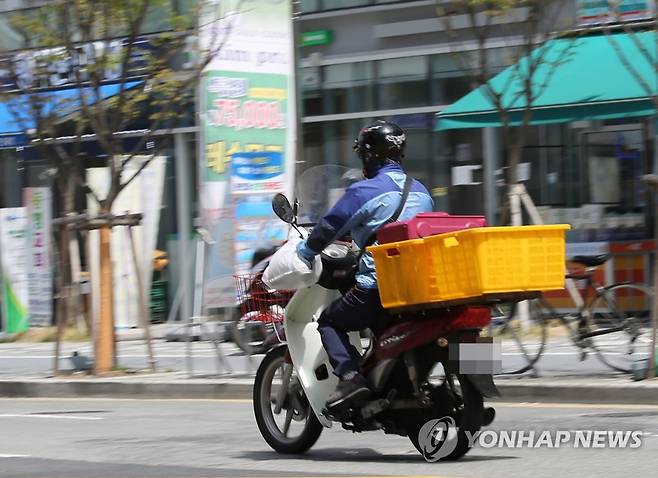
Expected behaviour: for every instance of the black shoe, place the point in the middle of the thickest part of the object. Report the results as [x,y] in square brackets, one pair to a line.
[348,392]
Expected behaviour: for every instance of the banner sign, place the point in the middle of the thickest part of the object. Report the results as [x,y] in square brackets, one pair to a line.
[143,195]
[592,12]
[38,202]
[249,128]
[14,261]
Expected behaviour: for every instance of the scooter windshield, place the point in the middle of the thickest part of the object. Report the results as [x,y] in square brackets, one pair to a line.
[319,187]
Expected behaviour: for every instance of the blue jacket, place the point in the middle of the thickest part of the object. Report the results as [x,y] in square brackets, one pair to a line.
[362,210]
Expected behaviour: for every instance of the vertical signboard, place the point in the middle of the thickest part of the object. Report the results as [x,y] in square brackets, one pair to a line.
[14,261]
[249,117]
[143,195]
[38,202]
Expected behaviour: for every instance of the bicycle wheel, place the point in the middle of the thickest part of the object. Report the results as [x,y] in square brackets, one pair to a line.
[624,310]
[522,343]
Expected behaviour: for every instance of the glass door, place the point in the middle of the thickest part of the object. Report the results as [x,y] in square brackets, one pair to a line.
[614,198]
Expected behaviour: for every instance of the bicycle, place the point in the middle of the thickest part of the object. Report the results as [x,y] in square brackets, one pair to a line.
[614,322]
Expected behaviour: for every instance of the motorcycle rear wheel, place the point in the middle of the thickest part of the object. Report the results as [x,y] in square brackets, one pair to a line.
[471,414]
[296,408]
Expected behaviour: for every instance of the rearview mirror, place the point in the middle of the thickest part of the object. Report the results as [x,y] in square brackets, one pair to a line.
[282,208]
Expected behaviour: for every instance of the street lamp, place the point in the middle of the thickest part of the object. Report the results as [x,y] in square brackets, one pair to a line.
[652,180]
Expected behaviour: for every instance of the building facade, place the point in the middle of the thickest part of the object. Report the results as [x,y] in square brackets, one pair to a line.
[366,60]
[361,60]
[22,166]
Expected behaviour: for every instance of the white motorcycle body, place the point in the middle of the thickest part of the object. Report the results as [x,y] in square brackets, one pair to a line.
[305,345]
[302,312]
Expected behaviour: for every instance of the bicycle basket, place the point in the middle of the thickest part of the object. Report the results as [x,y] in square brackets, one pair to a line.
[257,302]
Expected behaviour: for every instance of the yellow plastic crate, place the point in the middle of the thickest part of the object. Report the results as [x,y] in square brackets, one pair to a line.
[402,272]
[471,264]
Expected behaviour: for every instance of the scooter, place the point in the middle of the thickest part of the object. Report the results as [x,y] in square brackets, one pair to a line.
[412,367]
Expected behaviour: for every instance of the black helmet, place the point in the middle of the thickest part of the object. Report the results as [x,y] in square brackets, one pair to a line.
[379,143]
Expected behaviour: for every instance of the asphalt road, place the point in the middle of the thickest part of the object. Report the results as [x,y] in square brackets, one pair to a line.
[181,439]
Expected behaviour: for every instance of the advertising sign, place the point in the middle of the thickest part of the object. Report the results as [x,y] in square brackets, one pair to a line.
[14,261]
[143,195]
[249,128]
[591,12]
[38,202]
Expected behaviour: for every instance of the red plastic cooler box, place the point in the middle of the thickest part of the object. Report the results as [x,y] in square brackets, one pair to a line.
[427,224]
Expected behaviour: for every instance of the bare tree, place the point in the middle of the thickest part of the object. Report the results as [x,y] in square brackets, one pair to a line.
[644,41]
[524,28]
[89,70]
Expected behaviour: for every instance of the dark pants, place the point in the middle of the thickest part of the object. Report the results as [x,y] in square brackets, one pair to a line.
[354,311]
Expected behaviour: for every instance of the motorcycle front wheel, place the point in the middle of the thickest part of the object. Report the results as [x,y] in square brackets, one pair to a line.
[284,416]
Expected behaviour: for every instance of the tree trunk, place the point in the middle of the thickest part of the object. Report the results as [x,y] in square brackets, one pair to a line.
[514,148]
[104,337]
[513,161]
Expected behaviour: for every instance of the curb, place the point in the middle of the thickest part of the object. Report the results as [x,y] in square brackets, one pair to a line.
[631,393]
[638,393]
[216,389]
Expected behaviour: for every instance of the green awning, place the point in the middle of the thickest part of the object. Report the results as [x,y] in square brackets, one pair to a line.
[589,82]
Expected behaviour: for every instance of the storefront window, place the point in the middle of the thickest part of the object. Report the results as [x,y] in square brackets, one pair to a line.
[613,163]
[335,4]
[416,161]
[310,6]
[594,185]
[348,87]
[311,79]
[542,168]
[542,171]
[331,142]
[452,72]
[339,141]
[460,153]
[449,80]
[313,139]
[403,82]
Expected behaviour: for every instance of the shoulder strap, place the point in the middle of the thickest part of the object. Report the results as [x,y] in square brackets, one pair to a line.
[405,194]
[406,189]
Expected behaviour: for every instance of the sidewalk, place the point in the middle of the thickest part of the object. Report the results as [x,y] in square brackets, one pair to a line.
[26,371]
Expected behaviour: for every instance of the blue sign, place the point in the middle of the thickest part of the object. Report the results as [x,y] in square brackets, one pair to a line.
[258,166]
[13,141]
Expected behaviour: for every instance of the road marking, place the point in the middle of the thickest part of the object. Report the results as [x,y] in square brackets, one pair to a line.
[45,415]
[4,455]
